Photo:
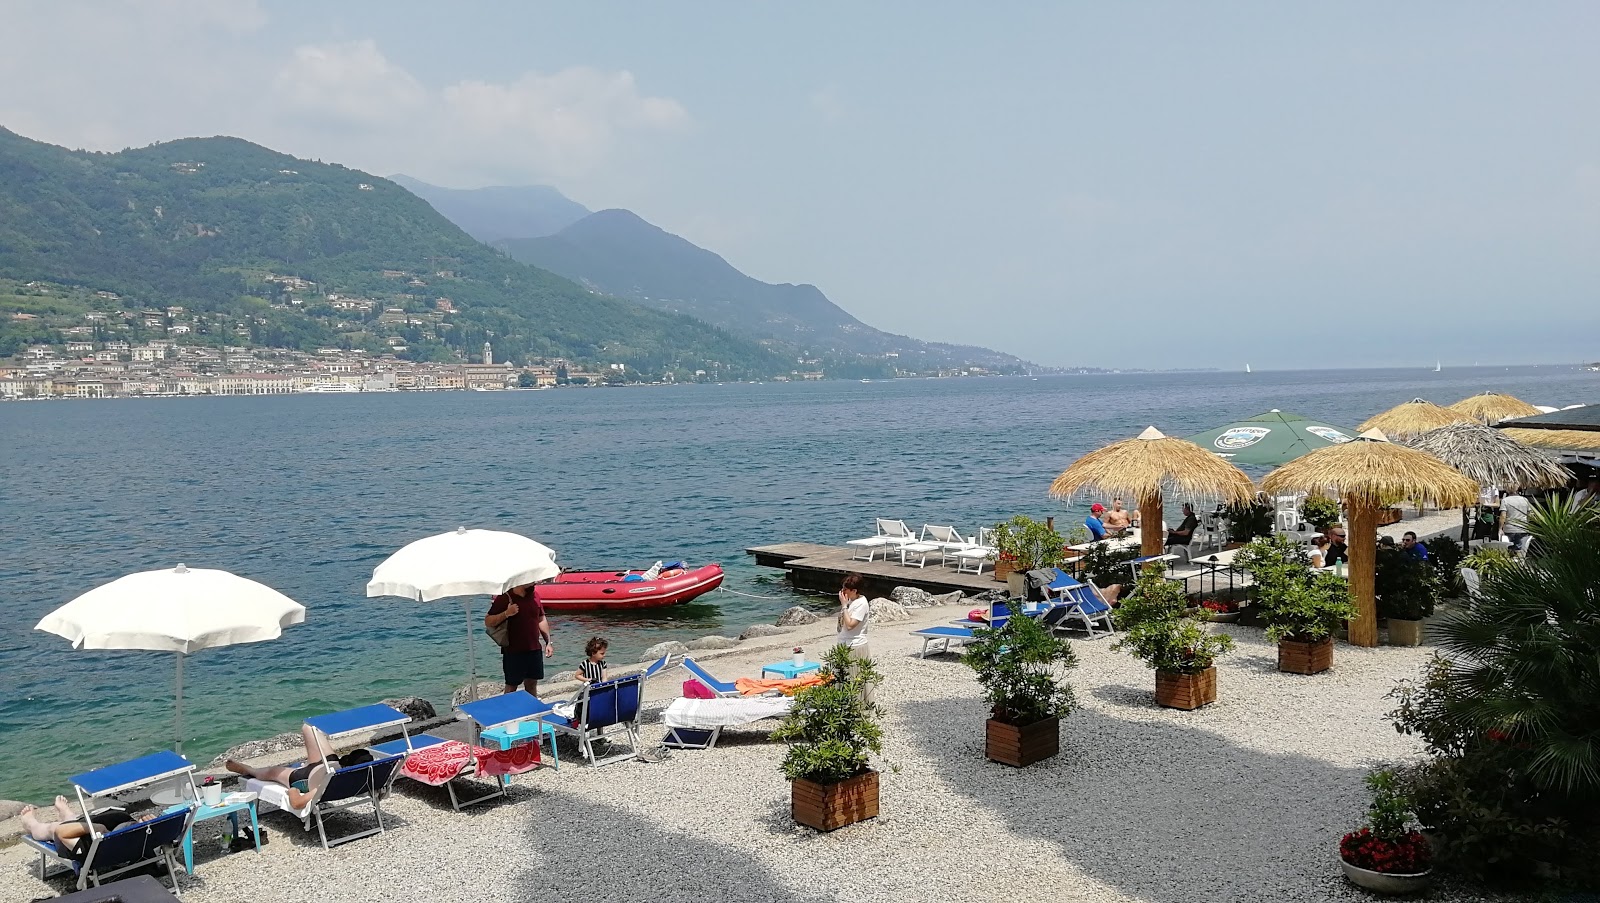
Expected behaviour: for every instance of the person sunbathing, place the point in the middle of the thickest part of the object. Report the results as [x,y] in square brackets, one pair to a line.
[71,835]
[305,781]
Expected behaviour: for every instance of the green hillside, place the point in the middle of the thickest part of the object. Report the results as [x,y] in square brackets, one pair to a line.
[222,226]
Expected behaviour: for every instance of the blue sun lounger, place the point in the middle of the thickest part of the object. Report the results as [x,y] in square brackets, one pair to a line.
[133,845]
[350,786]
[961,632]
[1077,602]
[720,687]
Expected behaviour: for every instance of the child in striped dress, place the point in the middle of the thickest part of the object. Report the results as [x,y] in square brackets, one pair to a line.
[593,670]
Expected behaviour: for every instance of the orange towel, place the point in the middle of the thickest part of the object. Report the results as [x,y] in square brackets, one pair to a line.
[753,686]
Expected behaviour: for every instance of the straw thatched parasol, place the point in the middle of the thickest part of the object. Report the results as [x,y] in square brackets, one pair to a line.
[1493,407]
[1491,458]
[1412,418]
[1577,440]
[1363,473]
[1145,469]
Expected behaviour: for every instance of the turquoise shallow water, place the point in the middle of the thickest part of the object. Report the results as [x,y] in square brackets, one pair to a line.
[308,493]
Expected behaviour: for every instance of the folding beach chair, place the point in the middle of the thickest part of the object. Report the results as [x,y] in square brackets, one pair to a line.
[1079,602]
[719,687]
[133,845]
[698,723]
[961,632]
[605,707]
[890,536]
[350,786]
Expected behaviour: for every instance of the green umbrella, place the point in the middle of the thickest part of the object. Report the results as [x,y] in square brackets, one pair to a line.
[1271,439]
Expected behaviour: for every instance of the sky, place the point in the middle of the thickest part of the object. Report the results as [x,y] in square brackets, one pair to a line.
[1119,185]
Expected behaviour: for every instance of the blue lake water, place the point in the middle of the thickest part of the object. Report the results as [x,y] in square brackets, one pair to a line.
[308,493]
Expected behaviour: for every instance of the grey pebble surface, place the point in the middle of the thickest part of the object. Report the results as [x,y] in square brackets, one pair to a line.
[1244,800]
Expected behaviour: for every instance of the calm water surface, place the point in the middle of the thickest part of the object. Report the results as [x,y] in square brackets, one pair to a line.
[308,493]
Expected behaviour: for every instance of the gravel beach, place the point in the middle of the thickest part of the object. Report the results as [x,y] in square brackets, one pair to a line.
[1244,800]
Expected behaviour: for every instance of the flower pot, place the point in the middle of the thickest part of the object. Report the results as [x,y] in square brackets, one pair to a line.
[1017,746]
[1017,583]
[1405,633]
[827,807]
[1387,516]
[1297,657]
[1380,883]
[1186,691]
[1002,569]
[1224,617]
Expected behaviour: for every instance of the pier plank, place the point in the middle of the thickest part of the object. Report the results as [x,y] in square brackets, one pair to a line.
[821,567]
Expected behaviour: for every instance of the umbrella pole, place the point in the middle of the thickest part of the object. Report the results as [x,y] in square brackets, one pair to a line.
[177,723]
[472,659]
[1363,547]
[1150,538]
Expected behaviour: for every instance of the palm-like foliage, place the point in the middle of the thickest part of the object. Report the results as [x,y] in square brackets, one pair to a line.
[1510,711]
[1023,669]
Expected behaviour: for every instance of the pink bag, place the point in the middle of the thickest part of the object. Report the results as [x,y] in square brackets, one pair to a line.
[694,689]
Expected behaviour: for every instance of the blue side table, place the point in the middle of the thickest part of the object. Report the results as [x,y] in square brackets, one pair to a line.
[789,669]
[202,812]
[530,731]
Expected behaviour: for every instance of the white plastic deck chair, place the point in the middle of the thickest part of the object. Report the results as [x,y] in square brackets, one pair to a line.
[890,536]
[934,540]
[978,552]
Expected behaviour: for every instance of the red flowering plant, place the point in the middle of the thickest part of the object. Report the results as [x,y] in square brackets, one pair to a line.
[1388,845]
[1220,606]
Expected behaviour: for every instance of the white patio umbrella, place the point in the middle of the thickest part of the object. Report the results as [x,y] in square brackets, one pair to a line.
[178,610]
[463,563]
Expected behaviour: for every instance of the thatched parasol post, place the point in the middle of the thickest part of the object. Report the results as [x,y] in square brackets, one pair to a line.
[1363,544]
[1150,538]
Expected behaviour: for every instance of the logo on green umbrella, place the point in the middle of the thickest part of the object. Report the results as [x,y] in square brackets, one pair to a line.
[1241,437]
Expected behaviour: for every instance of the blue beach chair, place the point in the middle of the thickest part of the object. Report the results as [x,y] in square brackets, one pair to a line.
[605,707]
[961,632]
[720,687]
[133,845]
[1077,601]
[350,786]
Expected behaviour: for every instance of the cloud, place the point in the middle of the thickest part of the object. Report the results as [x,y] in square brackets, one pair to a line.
[556,125]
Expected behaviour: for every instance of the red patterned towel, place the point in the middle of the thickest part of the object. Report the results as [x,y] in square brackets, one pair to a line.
[435,765]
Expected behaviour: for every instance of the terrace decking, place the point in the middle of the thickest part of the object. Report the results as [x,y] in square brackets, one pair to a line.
[819,567]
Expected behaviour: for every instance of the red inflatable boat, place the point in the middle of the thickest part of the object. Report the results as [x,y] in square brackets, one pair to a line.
[606,590]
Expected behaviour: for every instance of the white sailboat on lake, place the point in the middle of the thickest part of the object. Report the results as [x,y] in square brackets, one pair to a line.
[1436,367]
[1247,368]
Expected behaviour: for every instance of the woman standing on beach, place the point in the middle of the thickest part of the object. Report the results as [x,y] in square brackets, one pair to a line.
[853,613]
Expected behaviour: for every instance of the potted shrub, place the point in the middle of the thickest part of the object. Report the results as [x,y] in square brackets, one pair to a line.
[1246,522]
[1223,611]
[1024,544]
[1387,856]
[1300,607]
[1159,627]
[831,733]
[1022,667]
[1320,512]
[1406,588]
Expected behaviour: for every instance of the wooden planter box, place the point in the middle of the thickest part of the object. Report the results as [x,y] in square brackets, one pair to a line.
[1296,657]
[1002,569]
[1018,746]
[1387,516]
[827,807]
[1186,691]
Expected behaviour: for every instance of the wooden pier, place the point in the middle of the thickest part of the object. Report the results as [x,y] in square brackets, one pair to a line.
[819,567]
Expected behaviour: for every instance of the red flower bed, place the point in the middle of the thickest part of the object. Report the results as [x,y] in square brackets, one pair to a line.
[1221,606]
[1406,856]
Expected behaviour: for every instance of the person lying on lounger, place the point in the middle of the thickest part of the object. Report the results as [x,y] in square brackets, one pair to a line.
[306,781]
[70,834]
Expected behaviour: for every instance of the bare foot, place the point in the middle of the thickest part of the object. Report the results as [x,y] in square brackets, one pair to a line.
[65,808]
[235,766]
[27,810]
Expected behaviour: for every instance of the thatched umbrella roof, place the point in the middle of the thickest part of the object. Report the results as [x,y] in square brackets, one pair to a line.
[1147,468]
[1493,407]
[1363,474]
[1562,439]
[1491,457]
[1414,417]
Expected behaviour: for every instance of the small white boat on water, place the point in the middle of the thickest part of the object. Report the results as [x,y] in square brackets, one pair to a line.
[1247,368]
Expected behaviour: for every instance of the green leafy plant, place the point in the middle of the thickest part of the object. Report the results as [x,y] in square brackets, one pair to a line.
[1387,844]
[1407,587]
[1022,667]
[1320,511]
[1246,522]
[1161,629]
[1028,543]
[1295,601]
[1489,560]
[1508,712]
[831,731]
[1444,557]
[1078,535]
[1104,564]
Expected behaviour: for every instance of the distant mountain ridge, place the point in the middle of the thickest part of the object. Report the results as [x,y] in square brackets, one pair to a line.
[619,253]
[499,212]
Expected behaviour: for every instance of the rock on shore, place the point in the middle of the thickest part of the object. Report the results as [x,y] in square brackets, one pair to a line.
[798,616]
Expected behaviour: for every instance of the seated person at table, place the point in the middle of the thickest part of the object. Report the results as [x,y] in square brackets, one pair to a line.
[1118,520]
[1337,550]
[307,780]
[1319,551]
[1183,534]
[1097,530]
[70,834]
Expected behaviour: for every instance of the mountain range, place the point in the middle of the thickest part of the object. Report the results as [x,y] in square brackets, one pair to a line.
[616,252]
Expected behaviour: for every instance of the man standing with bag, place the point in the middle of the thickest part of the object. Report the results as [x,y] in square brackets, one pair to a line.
[527,635]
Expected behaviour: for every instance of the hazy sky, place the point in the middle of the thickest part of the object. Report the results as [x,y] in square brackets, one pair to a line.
[1140,184]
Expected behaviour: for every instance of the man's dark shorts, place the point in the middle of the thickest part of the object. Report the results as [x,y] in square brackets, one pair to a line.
[522,666]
